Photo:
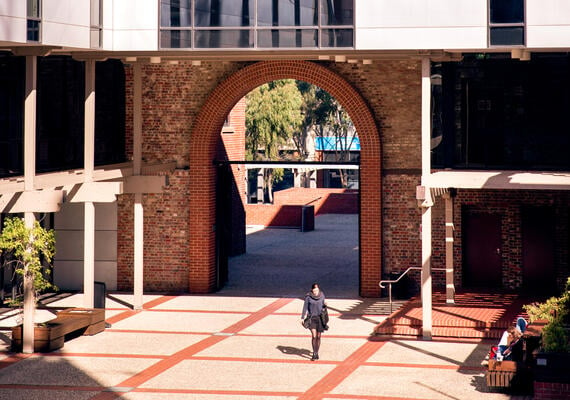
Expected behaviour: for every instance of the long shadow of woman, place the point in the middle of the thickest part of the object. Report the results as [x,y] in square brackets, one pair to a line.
[304,353]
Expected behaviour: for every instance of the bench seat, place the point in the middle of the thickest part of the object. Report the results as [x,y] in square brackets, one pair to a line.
[52,334]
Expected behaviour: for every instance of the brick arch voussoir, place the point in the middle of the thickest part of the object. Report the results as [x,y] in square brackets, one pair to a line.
[204,137]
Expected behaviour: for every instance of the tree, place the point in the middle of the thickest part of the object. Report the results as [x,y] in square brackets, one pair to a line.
[324,116]
[273,114]
[28,247]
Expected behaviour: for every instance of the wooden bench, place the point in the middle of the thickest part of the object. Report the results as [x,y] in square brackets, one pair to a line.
[68,323]
[516,374]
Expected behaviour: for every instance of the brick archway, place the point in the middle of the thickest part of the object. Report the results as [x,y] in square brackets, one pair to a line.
[204,137]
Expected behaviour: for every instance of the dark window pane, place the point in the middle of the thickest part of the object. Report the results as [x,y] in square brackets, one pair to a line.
[224,13]
[176,39]
[287,13]
[507,36]
[175,13]
[337,38]
[33,33]
[507,11]
[287,38]
[337,12]
[218,39]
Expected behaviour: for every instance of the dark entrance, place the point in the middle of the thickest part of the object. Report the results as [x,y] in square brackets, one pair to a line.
[481,250]
[538,250]
[223,222]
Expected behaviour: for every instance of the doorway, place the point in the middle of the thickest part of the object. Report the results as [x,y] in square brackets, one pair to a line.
[538,250]
[482,266]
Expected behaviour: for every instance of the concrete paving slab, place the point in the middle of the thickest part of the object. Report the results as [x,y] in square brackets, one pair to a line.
[33,394]
[131,343]
[73,371]
[414,383]
[194,396]
[178,321]
[215,303]
[240,376]
[431,353]
[284,348]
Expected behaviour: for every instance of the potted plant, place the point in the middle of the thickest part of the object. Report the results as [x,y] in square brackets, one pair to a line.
[553,358]
[29,249]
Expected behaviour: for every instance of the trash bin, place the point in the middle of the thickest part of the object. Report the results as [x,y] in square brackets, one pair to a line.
[307,218]
[100,294]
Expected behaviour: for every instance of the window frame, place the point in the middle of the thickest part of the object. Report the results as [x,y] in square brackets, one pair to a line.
[34,18]
[255,28]
[491,25]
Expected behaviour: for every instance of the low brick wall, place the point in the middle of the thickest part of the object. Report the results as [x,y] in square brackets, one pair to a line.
[551,391]
[286,208]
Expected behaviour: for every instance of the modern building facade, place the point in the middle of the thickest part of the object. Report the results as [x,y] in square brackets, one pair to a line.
[112,112]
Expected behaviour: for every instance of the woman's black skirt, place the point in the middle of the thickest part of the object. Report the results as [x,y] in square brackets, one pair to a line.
[316,323]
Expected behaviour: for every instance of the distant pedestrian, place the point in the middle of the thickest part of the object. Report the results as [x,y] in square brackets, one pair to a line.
[312,309]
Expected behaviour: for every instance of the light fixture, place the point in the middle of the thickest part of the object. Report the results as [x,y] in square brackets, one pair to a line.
[131,59]
[155,60]
[340,58]
[366,62]
[196,63]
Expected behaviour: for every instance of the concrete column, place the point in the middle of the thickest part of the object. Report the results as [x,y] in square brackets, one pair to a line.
[138,264]
[29,176]
[426,290]
[449,228]
[89,168]
[312,178]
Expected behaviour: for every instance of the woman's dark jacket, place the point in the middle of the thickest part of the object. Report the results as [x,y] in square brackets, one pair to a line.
[313,305]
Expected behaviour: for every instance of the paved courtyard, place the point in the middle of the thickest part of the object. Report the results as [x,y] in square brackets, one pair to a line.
[246,342]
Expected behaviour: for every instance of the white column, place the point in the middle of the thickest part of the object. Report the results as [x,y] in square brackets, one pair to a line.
[426,289]
[29,176]
[89,167]
[138,265]
[260,196]
[449,228]
[312,178]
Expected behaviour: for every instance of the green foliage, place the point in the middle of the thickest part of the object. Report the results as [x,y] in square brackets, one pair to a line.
[273,114]
[556,310]
[28,246]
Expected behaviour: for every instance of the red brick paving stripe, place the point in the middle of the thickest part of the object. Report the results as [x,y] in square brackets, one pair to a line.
[11,360]
[342,371]
[255,317]
[262,394]
[165,364]
[129,313]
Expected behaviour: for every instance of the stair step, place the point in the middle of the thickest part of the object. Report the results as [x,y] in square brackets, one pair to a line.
[439,331]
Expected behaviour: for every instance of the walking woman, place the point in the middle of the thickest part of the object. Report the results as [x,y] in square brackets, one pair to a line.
[313,307]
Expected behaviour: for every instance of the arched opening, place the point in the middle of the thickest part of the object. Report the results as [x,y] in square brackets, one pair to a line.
[204,139]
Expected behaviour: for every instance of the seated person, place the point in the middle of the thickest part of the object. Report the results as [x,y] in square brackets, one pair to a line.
[510,346]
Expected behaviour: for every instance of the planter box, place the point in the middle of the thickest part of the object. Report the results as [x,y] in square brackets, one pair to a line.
[552,367]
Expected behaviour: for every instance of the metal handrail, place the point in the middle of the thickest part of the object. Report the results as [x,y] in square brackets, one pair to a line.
[391,281]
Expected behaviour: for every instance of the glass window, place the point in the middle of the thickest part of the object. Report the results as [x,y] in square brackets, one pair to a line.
[506,11]
[337,12]
[33,32]
[226,38]
[284,38]
[337,38]
[287,13]
[506,22]
[507,36]
[175,13]
[224,13]
[176,39]
[33,8]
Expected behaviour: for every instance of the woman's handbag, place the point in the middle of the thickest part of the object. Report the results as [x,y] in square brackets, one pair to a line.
[325,317]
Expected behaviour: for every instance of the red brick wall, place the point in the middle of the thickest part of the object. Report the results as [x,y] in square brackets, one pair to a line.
[551,391]
[338,201]
[202,178]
